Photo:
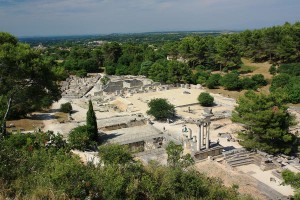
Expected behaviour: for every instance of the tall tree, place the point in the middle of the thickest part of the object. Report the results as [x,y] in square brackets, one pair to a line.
[158,72]
[267,122]
[26,80]
[227,53]
[91,122]
[178,72]
[112,52]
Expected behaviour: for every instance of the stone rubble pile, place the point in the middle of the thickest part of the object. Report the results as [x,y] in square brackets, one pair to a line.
[75,87]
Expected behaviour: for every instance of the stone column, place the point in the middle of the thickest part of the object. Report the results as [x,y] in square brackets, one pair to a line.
[190,134]
[202,134]
[194,139]
[185,143]
[199,139]
[207,134]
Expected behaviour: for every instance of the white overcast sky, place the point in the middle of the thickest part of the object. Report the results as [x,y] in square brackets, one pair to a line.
[75,17]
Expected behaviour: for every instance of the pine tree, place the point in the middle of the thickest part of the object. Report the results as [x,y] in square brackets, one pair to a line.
[267,122]
[91,122]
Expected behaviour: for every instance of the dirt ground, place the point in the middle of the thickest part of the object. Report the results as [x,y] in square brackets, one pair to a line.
[24,124]
[247,184]
[261,68]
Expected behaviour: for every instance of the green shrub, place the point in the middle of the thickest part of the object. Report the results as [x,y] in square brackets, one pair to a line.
[213,81]
[248,84]
[205,99]
[161,109]
[291,69]
[80,138]
[231,81]
[259,80]
[273,70]
[66,107]
[81,73]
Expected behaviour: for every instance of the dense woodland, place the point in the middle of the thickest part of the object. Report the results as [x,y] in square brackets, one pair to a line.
[29,78]
[192,59]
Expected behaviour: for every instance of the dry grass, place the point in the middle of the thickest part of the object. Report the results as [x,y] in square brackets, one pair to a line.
[260,68]
[61,117]
[227,93]
[35,122]
[246,68]
[25,124]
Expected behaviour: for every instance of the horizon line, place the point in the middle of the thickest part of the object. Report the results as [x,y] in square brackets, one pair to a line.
[128,33]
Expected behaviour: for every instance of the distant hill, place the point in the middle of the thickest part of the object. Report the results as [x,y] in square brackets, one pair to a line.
[148,37]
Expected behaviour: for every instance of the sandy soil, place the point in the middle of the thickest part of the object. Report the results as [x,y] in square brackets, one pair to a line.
[246,183]
[264,177]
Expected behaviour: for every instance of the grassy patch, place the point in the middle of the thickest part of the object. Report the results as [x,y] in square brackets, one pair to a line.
[247,69]
[61,117]
[227,93]
[24,124]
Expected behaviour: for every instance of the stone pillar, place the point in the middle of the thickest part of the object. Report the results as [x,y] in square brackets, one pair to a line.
[207,134]
[190,133]
[202,133]
[199,139]
[184,143]
[194,139]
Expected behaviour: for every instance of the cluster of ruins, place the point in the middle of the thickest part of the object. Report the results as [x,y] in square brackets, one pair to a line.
[120,104]
[75,87]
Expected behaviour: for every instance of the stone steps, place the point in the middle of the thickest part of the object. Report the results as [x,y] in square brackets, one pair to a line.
[239,159]
[240,162]
[241,154]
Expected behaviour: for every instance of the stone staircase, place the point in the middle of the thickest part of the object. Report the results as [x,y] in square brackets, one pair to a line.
[239,159]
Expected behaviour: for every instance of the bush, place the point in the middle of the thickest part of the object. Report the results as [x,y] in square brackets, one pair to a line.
[213,81]
[288,85]
[110,70]
[66,107]
[291,69]
[273,70]
[115,154]
[104,80]
[80,138]
[259,80]
[248,84]
[280,81]
[205,99]
[81,73]
[231,81]
[161,109]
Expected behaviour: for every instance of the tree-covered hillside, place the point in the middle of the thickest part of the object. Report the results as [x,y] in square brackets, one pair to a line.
[41,166]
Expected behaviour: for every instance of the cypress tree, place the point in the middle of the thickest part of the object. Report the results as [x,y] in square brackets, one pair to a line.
[91,122]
